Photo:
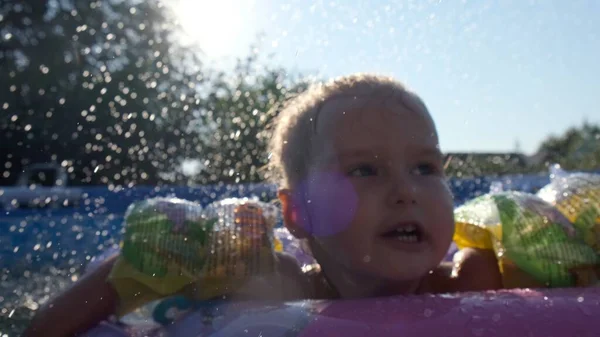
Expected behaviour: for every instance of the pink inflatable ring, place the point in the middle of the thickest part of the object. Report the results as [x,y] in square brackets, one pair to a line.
[524,312]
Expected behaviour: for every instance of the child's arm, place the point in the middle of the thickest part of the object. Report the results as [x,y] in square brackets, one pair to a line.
[88,302]
[476,270]
[92,299]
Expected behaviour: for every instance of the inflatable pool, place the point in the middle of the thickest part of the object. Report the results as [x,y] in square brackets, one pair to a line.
[558,312]
[92,229]
[519,312]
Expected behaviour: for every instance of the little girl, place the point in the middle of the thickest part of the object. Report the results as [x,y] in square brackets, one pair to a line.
[362,184]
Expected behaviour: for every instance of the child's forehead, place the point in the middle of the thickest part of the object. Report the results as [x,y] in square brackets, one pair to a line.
[370,114]
[372,126]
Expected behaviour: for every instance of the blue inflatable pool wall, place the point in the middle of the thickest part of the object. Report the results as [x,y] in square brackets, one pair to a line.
[59,236]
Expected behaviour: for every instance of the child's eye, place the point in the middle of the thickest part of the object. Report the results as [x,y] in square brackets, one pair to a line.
[363,171]
[426,169]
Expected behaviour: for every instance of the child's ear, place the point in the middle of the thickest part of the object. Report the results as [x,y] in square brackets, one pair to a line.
[291,216]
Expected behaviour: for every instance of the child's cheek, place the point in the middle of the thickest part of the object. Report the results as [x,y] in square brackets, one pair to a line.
[327,203]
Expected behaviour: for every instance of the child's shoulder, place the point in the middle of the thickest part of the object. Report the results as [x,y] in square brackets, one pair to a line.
[295,284]
[471,270]
[302,284]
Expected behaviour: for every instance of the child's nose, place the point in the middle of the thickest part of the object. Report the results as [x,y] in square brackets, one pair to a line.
[402,190]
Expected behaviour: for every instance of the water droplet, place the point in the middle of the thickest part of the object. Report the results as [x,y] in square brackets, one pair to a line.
[367,258]
[580,299]
[427,312]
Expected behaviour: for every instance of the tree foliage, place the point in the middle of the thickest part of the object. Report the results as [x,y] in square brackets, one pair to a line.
[240,111]
[105,89]
[578,148]
[97,86]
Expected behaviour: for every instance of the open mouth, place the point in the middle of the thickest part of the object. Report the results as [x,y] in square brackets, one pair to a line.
[409,233]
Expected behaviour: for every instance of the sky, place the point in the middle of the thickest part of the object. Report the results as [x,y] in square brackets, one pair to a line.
[493,73]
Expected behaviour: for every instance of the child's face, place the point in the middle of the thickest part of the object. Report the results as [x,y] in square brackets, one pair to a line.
[376,203]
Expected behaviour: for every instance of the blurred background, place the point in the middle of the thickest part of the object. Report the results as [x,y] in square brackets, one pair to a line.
[122,94]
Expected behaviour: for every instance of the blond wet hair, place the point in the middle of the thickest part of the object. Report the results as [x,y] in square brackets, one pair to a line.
[294,129]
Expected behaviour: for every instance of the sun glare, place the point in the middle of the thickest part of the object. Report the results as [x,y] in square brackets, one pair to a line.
[215,26]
